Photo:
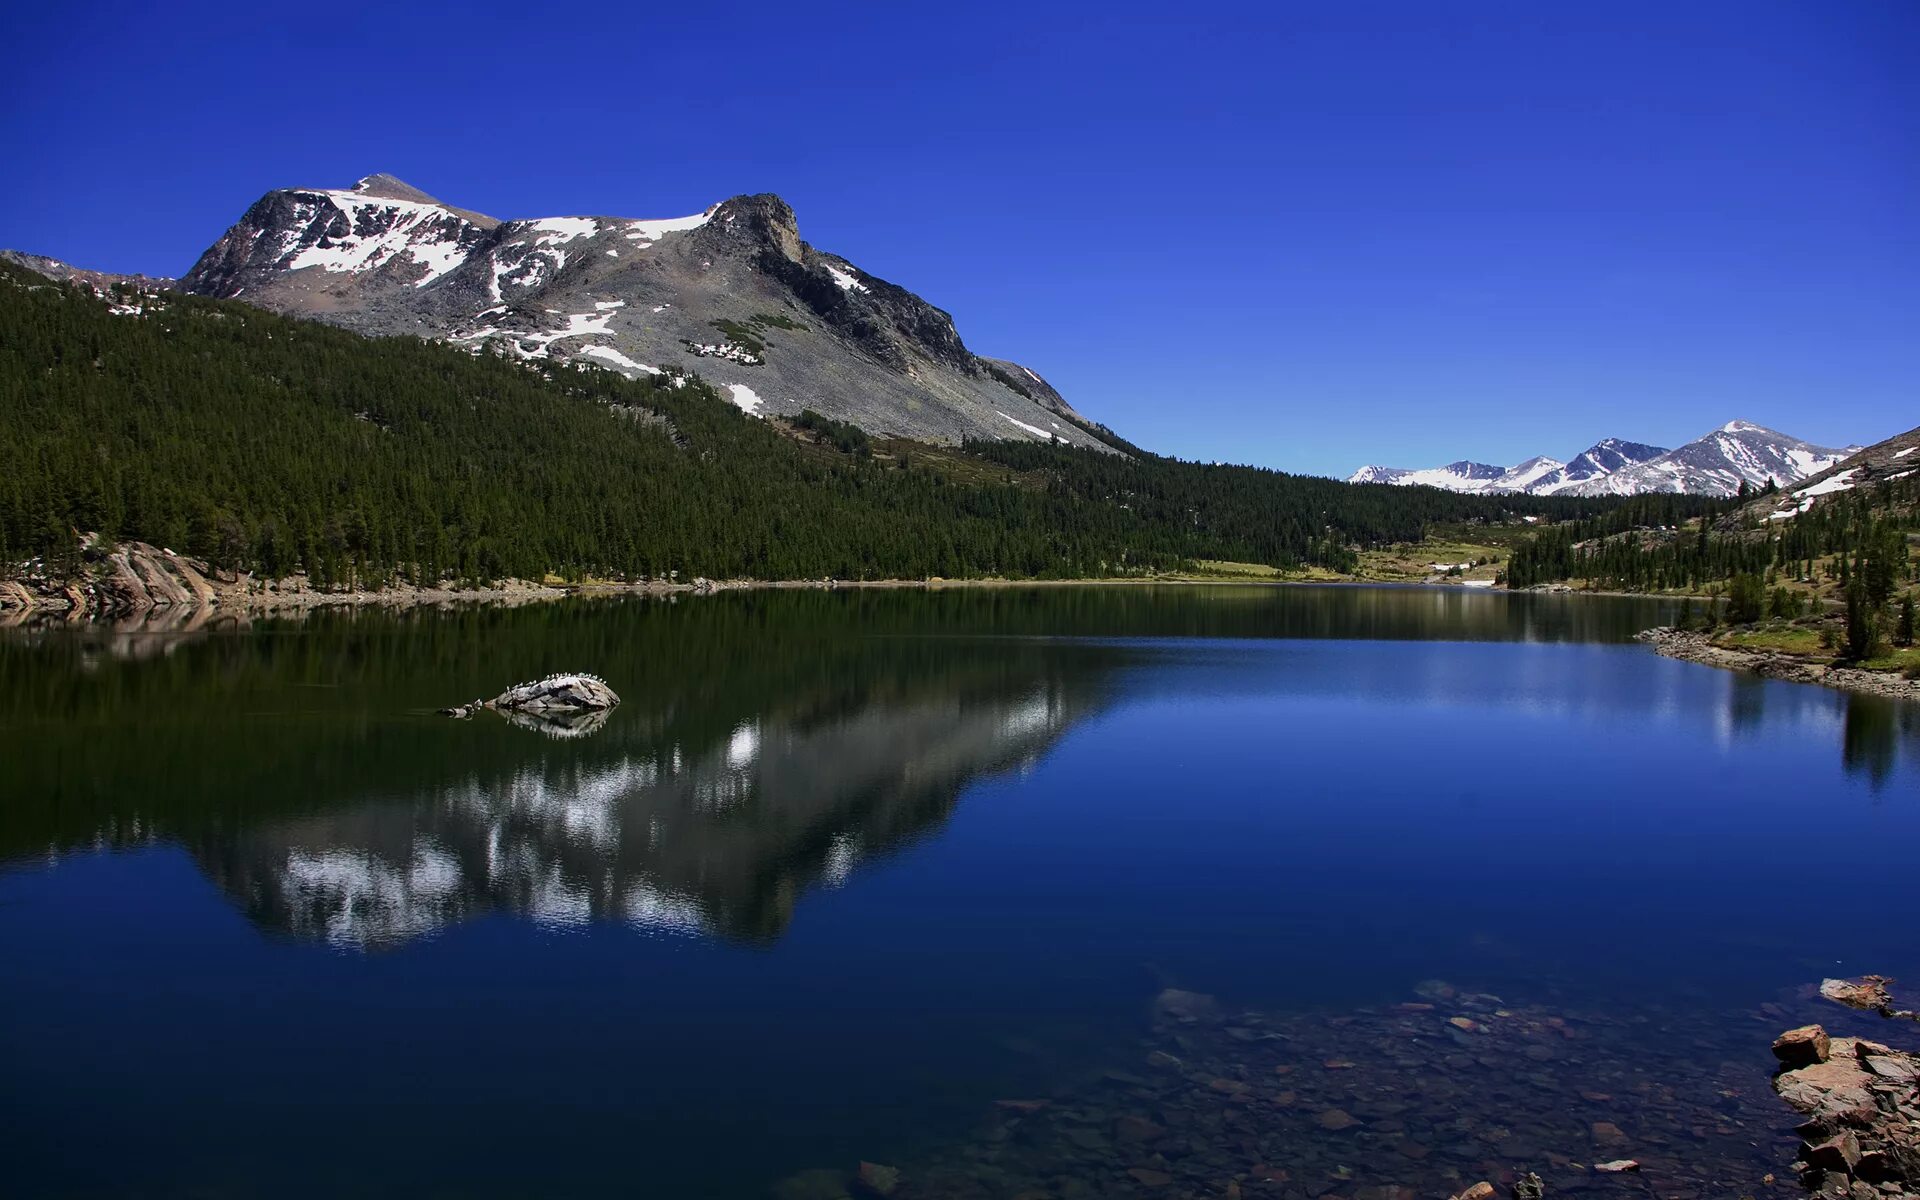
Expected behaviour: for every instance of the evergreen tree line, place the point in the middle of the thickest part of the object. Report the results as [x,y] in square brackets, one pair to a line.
[1641,547]
[272,445]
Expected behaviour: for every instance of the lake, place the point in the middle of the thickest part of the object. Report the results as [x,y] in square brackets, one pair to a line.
[1083,891]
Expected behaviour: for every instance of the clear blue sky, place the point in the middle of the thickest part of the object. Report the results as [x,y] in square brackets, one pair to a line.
[1306,235]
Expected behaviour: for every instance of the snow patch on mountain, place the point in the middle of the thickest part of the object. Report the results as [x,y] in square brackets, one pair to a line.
[1035,430]
[377,231]
[649,232]
[846,282]
[744,399]
[608,354]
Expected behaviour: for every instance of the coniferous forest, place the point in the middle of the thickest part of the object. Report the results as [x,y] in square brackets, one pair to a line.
[272,445]
[1642,546]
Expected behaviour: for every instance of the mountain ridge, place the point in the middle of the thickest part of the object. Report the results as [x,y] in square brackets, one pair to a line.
[1717,463]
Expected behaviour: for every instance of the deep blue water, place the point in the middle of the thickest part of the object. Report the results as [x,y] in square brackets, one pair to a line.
[844,870]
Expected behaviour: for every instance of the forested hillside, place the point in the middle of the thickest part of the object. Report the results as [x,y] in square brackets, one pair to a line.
[1823,571]
[272,445]
[1643,547]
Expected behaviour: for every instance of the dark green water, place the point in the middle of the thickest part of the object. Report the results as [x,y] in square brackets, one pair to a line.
[845,869]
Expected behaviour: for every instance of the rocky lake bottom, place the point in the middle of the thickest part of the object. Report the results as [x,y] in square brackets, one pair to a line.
[1422,1098]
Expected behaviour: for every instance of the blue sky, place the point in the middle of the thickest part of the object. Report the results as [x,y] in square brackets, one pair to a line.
[1305,235]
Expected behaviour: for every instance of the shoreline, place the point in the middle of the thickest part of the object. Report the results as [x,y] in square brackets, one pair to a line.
[1694,647]
[142,581]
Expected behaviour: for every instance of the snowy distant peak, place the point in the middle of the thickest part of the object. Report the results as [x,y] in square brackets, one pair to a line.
[1609,455]
[1462,476]
[1529,473]
[1716,465]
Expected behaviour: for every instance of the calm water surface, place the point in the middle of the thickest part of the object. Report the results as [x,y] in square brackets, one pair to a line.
[847,869]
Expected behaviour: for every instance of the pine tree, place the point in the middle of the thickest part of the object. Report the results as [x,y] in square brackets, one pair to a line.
[1859,623]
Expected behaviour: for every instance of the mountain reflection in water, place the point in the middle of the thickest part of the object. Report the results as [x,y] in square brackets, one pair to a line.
[720,837]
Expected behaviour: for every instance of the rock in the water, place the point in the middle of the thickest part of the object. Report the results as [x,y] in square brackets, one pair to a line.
[1479,1191]
[1529,1187]
[1617,1166]
[557,693]
[1869,992]
[1802,1047]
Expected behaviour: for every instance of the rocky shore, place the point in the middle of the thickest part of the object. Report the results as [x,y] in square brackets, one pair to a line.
[136,580]
[1700,648]
[1861,1101]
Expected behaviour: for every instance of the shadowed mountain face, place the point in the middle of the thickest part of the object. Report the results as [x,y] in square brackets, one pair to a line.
[732,293]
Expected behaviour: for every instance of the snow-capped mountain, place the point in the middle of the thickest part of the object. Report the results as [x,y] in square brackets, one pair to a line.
[1718,463]
[732,293]
[1603,458]
[1462,476]
[1713,465]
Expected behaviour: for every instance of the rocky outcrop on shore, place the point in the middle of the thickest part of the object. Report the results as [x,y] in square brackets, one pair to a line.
[127,579]
[1861,1100]
[1700,648]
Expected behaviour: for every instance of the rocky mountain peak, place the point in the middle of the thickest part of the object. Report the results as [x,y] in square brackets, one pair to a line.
[387,187]
[732,293]
[764,218]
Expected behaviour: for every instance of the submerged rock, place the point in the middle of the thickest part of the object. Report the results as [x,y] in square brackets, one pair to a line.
[878,1179]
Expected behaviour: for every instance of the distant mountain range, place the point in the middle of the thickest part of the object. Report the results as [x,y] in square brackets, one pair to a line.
[732,293]
[1713,465]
